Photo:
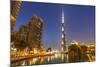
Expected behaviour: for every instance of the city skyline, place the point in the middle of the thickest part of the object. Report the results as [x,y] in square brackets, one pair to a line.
[79,22]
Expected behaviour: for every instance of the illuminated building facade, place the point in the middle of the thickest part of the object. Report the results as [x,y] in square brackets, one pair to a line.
[21,37]
[35,26]
[74,52]
[30,35]
[78,52]
[15,6]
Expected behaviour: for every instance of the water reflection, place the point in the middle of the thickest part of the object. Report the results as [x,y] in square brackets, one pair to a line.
[23,63]
[57,58]
[34,60]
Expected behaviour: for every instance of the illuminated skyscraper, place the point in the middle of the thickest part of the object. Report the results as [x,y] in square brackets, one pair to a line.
[63,42]
[30,35]
[35,27]
[15,6]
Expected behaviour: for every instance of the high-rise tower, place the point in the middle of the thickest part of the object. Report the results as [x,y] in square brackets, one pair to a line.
[63,42]
[15,7]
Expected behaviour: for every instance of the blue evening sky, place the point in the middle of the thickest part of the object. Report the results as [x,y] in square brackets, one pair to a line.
[79,22]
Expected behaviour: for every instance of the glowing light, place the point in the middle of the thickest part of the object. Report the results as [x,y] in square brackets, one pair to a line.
[48,59]
[23,63]
[12,18]
[62,28]
[62,36]
[62,17]
[34,60]
[75,43]
[14,49]
[42,60]
[62,57]
[26,53]
[56,55]
[62,42]
[11,48]
[62,49]
[35,51]
[30,62]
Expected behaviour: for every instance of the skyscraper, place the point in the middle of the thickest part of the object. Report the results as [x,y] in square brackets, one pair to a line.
[63,42]
[30,35]
[35,27]
[15,6]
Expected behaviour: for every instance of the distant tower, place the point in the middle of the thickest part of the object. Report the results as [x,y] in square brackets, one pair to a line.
[63,42]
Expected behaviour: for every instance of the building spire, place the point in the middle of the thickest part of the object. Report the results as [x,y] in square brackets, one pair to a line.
[62,16]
